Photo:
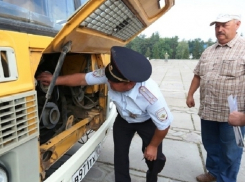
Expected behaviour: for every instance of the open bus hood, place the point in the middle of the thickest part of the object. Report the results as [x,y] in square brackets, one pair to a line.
[100,24]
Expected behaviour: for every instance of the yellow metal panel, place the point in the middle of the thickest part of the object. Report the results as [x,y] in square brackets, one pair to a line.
[37,44]
[74,64]
[28,51]
[61,143]
[19,42]
[106,58]
[38,41]
[35,57]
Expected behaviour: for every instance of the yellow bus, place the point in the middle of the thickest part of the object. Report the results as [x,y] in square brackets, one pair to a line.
[39,125]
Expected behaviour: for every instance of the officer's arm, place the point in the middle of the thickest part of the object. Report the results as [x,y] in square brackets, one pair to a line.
[76,79]
[158,136]
[150,152]
[162,118]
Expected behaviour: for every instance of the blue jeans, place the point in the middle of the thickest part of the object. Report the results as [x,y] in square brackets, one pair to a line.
[223,154]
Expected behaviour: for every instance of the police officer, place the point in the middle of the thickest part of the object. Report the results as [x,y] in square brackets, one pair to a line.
[140,104]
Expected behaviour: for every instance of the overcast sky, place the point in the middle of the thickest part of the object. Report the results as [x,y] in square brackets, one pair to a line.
[190,19]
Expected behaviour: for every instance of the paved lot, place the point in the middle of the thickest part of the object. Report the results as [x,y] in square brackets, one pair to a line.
[182,146]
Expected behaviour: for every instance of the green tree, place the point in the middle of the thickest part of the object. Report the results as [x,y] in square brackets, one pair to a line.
[156,51]
[155,46]
[138,44]
[209,42]
[155,37]
[162,47]
[196,47]
[148,53]
[170,45]
[173,44]
[182,50]
[150,42]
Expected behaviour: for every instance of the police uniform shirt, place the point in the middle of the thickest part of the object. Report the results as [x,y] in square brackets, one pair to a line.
[142,102]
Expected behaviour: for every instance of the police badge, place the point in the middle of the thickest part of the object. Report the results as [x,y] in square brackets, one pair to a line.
[162,114]
[99,73]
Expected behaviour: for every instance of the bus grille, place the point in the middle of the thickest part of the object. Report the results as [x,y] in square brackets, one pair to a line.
[18,120]
[114,18]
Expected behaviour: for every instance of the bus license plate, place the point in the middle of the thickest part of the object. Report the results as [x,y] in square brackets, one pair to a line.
[87,165]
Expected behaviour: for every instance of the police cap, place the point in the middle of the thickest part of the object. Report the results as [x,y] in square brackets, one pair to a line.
[127,65]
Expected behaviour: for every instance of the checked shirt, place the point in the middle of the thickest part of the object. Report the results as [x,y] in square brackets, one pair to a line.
[222,72]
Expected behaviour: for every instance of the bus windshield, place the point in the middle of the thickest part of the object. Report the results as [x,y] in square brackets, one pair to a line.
[38,17]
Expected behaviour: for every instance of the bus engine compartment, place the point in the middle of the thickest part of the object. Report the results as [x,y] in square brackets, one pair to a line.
[82,108]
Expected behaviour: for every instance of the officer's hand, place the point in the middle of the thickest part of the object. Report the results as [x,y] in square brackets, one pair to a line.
[190,101]
[150,153]
[45,78]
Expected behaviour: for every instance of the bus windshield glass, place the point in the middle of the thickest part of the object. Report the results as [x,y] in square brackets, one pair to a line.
[37,16]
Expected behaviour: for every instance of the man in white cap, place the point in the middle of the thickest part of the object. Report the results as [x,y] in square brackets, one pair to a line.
[220,72]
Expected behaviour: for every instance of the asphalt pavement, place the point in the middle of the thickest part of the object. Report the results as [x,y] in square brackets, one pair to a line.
[182,146]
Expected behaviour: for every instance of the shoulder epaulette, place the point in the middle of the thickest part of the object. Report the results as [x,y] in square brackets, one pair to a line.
[147,94]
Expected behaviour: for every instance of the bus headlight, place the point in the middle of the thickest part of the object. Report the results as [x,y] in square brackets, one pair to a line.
[3,174]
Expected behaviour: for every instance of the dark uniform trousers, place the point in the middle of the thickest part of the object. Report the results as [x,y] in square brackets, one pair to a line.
[123,133]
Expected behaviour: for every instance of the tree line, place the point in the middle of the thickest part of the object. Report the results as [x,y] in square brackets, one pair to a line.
[156,47]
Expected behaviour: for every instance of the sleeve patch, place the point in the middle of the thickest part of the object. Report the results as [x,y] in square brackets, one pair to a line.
[147,94]
[162,114]
[99,73]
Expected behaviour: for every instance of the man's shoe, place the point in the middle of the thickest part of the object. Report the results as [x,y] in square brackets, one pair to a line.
[207,177]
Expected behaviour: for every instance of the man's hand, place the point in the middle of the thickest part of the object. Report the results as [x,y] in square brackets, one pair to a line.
[237,118]
[45,78]
[190,101]
[195,83]
[150,153]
